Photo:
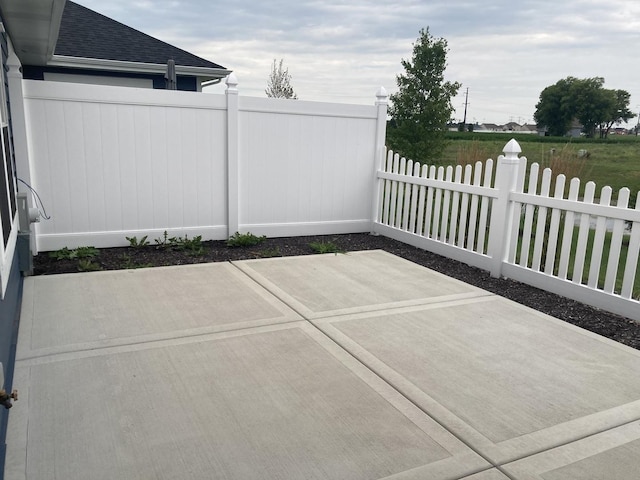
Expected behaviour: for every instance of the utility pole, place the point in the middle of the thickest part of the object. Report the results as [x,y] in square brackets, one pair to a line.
[466,102]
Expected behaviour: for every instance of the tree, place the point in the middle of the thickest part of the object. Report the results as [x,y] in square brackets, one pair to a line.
[583,100]
[591,103]
[621,112]
[279,82]
[554,110]
[421,108]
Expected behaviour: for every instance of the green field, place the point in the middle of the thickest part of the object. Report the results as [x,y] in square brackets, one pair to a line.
[614,162]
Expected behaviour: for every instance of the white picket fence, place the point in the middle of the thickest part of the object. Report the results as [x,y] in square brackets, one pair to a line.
[488,219]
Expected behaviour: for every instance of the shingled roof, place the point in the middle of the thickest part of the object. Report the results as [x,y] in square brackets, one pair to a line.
[88,34]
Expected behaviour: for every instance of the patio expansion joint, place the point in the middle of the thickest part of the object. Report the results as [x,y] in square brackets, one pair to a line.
[310,316]
[52,357]
[388,308]
[496,465]
[568,442]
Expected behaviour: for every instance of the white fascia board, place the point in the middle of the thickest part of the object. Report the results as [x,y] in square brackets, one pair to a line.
[57,9]
[133,67]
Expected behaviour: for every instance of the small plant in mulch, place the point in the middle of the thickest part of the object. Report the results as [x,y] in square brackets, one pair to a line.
[270,252]
[191,246]
[87,265]
[135,243]
[244,240]
[76,253]
[82,255]
[325,247]
[128,263]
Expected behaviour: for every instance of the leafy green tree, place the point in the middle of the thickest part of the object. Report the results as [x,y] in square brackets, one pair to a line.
[591,103]
[279,82]
[584,100]
[421,108]
[621,112]
[554,110]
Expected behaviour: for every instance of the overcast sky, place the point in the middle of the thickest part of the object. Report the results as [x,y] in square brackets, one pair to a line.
[505,52]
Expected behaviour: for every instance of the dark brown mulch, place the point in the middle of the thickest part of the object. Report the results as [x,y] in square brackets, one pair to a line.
[615,327]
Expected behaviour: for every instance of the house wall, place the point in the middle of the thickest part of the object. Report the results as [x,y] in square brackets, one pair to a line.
[99,80]
[114,162]
[9,317]
[10,278]
[103,77]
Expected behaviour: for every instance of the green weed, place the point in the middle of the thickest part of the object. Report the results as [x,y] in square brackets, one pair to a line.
[270,252]
[245,240]
[325,247]
[192,246]
[128,263]
[135,243]
[76,253]
[86,265]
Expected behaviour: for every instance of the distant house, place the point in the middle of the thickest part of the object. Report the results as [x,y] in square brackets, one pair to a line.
[619,131]
[512,127]
[575,130]
[86,47]
[492,127]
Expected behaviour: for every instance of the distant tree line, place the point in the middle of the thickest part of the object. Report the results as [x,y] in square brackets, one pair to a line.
[585,101]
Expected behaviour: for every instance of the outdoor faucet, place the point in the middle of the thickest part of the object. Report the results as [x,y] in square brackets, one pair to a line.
[5,398]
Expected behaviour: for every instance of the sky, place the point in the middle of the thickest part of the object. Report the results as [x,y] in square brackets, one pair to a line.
[504,52]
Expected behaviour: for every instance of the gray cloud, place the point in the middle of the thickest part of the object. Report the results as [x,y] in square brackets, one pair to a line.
[505,52]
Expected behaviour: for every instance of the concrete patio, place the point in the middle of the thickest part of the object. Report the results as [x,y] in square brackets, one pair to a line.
[349,366]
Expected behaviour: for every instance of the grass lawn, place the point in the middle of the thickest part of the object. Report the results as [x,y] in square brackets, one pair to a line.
[588,252]
[615,162]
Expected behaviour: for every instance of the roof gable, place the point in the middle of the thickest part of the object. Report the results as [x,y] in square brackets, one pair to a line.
[88,34]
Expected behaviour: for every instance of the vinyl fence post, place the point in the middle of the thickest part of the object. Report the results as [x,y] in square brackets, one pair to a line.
[382,101]
[233,221]
[508,173]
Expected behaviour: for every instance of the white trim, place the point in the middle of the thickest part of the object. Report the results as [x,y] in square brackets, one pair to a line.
[468,257]
[54,26]
[7,256]
[579,292]
[306,108]
[133,67]
[55,241]
[300,229]
[36,89]
[130,82]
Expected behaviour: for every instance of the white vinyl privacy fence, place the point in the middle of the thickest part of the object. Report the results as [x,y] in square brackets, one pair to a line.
[111,162]
[515,224]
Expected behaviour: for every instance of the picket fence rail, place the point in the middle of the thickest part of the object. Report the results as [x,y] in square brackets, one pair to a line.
[582,248]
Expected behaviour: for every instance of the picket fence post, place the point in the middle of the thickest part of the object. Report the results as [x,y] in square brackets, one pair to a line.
[382,100]
[233,193]
[508,174]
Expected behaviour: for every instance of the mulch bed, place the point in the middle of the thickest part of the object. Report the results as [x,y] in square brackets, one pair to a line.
[612,326]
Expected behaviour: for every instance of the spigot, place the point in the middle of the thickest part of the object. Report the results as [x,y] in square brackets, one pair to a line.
[5,398]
